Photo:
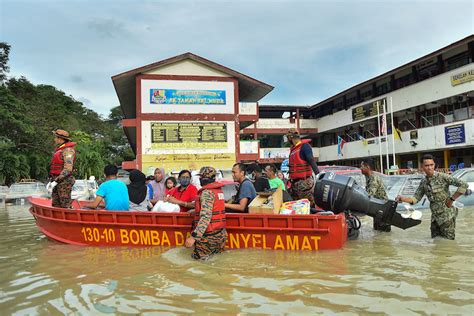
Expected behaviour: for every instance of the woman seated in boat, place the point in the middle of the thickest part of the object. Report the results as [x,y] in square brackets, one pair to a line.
[184,194]
[114,192]
[138,192]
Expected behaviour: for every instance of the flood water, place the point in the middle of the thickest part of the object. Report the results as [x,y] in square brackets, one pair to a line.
[402,272]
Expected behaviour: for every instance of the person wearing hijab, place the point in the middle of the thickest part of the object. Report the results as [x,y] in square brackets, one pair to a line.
[185,193]
[138,192]
[158,185]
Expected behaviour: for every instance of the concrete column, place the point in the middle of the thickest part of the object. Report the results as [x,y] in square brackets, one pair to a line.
[446,158]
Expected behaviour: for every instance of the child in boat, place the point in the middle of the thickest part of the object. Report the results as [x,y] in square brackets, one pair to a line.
[170,184]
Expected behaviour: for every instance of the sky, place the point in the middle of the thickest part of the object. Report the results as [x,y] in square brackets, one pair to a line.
[307,50]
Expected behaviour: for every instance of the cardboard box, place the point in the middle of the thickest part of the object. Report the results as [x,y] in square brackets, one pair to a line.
[258,205]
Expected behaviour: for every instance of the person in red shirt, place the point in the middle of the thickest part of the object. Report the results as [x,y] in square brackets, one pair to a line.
[184,194]
[170,184]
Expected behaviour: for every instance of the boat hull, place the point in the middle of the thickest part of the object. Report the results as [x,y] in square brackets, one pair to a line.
[141,229]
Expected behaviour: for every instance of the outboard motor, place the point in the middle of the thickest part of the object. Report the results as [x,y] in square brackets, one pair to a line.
[340,193]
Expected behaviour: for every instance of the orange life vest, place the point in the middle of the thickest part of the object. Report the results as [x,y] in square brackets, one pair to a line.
[57,162]
[299,168]
[218,209]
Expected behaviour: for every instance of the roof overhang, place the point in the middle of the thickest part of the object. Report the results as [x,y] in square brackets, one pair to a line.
[394,71]
[250,89]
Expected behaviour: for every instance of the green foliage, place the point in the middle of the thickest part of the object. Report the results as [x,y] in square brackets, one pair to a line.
[28,115]
[4,56]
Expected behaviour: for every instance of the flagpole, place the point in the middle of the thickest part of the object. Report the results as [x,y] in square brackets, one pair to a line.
[380,142]
[393,132]
[386,131]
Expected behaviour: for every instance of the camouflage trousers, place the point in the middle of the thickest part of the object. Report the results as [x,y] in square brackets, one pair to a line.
[61,195]
[446,230]
[303,189]
[209,244]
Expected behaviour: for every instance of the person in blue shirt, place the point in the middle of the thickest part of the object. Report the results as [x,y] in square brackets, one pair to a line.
[245,194]
[113,191]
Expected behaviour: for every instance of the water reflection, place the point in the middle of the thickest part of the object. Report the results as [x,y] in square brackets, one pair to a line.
[402,272]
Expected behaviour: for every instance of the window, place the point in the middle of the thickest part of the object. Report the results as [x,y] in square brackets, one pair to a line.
[457,61]
[468,176]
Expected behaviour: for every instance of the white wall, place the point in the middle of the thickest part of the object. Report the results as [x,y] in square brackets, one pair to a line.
[147,107]
[429,90]
[248,108]
[187,68]
[429,138]
[273,123]
[280,152]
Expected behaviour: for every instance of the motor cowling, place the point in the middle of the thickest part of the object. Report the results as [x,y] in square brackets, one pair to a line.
[340,193]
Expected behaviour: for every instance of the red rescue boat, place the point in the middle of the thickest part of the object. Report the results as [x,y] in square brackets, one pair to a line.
[109,228]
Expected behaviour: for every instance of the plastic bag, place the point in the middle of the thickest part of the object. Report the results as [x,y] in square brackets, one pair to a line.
[300,207]
[165,207]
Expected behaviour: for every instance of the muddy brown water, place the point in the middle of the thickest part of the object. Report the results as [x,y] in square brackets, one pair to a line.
[402,272]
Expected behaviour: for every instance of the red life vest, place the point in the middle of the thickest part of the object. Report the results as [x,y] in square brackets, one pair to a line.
[57,162]
[299,168]
[218,209]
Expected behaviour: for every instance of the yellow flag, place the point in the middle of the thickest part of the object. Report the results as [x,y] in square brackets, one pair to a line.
[398,134]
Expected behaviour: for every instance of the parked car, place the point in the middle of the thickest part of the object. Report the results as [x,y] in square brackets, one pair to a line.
[21,190]
[84,190]
[466,174]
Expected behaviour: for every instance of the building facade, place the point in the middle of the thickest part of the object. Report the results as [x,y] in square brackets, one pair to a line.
[186,112]
[431,100]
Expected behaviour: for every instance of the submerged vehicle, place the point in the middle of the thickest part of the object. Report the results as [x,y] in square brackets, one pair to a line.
[19,191]
[467,175]
[84,190]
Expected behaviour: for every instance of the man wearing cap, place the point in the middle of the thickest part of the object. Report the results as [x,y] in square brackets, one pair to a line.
[375,188]
[209,234]
[61,169]
[302,166]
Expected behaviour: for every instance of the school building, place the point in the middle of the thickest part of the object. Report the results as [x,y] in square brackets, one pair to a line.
[187,111]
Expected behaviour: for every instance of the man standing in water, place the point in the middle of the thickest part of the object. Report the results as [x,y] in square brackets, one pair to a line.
[302,166]
[375,188]
[61,169]
[209,234]
[436,187]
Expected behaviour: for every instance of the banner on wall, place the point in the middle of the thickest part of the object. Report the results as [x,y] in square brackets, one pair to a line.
[179,162]
[454,134]
[462,77]
[175,96]
[188,135]
[367,110]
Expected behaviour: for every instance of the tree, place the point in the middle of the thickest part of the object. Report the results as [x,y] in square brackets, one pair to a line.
[4,56]
[28,115]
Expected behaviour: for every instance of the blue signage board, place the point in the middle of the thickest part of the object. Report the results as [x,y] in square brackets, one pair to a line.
[454,134]
[174,96]
[285,165]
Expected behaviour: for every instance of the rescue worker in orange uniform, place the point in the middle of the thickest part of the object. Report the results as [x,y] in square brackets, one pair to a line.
[61,169]
[302,166]
[209,234]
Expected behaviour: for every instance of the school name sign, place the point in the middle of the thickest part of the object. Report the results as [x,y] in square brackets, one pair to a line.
[175,96]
